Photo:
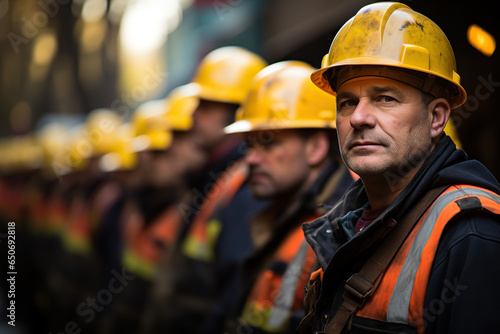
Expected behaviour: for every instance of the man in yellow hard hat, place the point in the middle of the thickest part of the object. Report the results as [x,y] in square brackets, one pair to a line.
[179,297]
[74,266]
[294,163]
[223,78]
[259,253]
[413,245]
[146,221]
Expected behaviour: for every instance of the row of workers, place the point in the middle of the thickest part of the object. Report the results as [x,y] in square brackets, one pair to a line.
[195,204]
[189,218]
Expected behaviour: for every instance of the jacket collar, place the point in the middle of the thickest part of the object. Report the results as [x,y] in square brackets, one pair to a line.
[446,165]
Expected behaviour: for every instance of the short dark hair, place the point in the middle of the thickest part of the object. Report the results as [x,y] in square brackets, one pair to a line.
[426,98]
[331,134]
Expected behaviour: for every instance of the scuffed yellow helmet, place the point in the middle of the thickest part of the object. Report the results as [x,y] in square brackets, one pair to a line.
[225,74]
[282,96]
[391,40]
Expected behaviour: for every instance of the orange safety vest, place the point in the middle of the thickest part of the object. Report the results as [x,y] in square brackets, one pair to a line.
[399,297]
[200,240]
[76,234]
[11,196]
[276,296]
[143,246]
[84,213]
[55,214]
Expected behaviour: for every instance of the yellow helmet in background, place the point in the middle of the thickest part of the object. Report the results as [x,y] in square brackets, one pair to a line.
[151,130]
[451,131]
[52,139]
[4,152]
[120,156]
[30,155]
[8,161]
[282,96]
[180,105]
[391,40]
[78,150]
[20,154]
[225,74]
[99,127]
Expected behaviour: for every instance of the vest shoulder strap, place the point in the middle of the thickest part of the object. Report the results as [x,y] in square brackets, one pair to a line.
[360,285]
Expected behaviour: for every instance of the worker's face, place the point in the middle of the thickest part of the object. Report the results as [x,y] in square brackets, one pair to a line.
[210,118]
[170,167]
[382,126]
[277,163]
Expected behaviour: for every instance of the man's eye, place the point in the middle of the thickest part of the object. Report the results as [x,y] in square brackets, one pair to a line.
[348,103]
[268,144]
[387,99]
[249,143]
[260,143]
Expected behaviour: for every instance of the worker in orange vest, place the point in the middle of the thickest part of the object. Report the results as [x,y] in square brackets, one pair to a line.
[178,299]
[147,220]
[223,78]
[294,164]
[75,269]
[413,245]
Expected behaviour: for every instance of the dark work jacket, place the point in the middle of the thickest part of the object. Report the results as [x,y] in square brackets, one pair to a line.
[466,258]
[287,217]
[186,288]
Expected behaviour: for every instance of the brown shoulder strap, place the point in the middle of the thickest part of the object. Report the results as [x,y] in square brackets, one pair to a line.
[360,285]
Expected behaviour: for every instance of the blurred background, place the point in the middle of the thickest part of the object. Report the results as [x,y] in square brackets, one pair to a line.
[63,58]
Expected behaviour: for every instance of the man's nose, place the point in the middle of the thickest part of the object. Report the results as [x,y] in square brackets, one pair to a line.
[363,115]
[252,157]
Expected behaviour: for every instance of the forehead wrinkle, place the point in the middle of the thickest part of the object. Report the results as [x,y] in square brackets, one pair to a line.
[383,89]
[345,95]
[372,89]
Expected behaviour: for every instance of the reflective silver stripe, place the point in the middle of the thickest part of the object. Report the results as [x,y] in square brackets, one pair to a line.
[399,304]
[286,295]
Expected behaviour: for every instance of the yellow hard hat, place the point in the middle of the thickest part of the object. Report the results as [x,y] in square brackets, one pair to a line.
[51,138]
[8,160]
[409,46]
[225,74]
[151,128]
[23,154]
[451,131]
[79,149]
[120,156]
[99,126]
[282,96]
[180,105]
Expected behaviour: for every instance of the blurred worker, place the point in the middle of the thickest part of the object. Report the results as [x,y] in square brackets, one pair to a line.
[148,220]
[294,163]
[413,246]
[75,269]
[223,78]
[20,189]
[47,214]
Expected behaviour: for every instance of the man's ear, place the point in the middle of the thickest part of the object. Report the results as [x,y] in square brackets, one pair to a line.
[317,147]
[440,114]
